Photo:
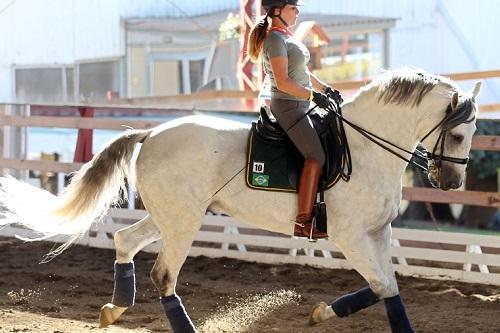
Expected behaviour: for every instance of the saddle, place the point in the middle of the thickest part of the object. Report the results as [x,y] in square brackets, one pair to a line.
[274,163]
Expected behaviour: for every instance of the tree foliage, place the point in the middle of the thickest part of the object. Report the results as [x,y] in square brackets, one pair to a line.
[230,28]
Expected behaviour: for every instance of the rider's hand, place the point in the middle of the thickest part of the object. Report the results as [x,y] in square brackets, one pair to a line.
[334,94]
[320,99]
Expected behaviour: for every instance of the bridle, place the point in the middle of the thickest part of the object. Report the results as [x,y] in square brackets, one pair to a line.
[442,138]
[447,123]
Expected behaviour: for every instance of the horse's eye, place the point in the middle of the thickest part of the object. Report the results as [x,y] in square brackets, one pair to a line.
[457,138]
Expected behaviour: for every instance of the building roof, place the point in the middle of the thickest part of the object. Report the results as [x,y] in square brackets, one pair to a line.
[210,23]
[205,23]
[306,27]
[345,23]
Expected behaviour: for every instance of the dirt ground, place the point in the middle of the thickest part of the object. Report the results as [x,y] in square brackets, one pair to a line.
[221,295]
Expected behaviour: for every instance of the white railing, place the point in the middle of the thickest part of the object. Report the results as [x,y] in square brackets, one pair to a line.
[429,254]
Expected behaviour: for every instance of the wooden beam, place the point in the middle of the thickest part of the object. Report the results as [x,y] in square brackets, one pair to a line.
[489,107]
[486,142]
[473,75]
[455,238]
[473,198]
[75,122]
[446,256]
[200,96]
[356,84]
[46,166]
[349,85]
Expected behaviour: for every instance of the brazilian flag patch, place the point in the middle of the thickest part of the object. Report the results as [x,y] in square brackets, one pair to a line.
[260,180]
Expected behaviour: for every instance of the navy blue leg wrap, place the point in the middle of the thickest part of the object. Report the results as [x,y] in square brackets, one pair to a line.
[397,315]
[351,303]
[176,314]
[124,292]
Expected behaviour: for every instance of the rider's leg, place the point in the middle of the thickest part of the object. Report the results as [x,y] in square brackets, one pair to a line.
[308,189]
[291,116]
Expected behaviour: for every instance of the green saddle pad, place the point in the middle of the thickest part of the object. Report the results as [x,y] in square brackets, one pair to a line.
[272,165]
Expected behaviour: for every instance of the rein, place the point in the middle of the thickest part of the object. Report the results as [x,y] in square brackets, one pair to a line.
[425,155]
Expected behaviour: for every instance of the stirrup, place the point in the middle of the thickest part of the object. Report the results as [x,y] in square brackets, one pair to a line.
[313,227]
[311,239]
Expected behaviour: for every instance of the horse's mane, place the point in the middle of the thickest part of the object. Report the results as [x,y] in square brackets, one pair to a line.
[409,86]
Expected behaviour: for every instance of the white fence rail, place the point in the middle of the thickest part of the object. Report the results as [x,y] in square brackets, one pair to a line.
[429,254]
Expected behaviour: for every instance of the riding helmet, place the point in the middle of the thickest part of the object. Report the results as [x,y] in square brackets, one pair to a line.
[267,4]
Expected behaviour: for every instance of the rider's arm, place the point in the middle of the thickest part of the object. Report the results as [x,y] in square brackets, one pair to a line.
[317,83]
[284,83]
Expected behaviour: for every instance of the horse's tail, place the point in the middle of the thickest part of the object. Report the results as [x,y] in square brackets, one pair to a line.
[85,200]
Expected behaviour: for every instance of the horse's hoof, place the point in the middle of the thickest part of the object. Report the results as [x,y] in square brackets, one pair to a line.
[318,314]
[109,314]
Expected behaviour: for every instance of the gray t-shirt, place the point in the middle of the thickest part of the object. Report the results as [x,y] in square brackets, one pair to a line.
[278,44]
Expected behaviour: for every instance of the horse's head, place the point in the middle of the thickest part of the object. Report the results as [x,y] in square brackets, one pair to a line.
[449,143]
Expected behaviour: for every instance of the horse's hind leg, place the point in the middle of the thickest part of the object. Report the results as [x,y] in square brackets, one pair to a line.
[370,255]
[177,235]
[128,241]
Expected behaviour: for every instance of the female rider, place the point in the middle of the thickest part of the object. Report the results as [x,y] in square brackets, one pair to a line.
[293,86]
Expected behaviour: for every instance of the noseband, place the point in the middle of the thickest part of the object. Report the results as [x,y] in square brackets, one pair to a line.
[445,124]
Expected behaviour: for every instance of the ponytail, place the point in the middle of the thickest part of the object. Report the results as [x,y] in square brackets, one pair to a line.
[256,39]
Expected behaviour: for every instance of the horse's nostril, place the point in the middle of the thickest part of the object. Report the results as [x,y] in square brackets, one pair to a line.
[452,185]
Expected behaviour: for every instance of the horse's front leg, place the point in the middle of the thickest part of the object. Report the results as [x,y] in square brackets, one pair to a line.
[128,241]
[370,255]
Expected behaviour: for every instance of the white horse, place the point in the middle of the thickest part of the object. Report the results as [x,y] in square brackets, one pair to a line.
[183,163]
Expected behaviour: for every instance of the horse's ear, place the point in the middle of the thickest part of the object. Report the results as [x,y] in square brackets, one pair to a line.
[476,89]
[454,101]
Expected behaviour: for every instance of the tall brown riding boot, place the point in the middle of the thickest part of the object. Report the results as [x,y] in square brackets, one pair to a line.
[308,188]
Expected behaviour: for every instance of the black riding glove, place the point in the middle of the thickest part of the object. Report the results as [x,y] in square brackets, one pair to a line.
[320,99]
[334,94]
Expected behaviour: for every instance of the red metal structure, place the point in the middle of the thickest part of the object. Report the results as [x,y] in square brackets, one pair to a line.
[83,151]
[247,79]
